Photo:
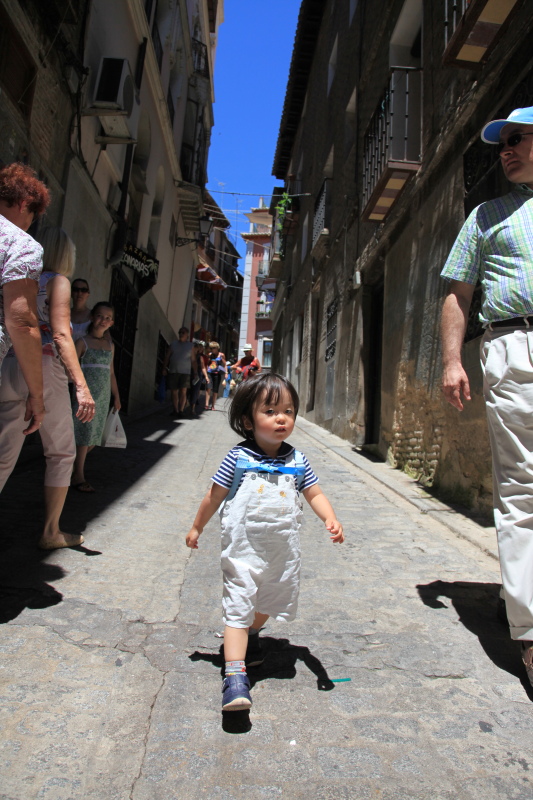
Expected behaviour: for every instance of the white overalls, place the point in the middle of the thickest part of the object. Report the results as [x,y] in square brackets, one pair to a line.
[261,548]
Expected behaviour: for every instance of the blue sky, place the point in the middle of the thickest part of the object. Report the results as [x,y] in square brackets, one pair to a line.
[251,70]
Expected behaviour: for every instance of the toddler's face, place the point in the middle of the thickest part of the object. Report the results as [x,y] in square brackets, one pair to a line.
[273,422]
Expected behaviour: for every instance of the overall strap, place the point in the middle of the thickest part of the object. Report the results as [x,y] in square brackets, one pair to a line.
[246,462]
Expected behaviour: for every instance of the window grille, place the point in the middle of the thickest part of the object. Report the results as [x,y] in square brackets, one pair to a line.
[331,329]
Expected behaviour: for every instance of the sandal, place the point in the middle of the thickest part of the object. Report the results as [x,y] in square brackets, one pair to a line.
[84,487]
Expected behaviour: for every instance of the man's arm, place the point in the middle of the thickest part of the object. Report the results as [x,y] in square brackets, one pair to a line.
[453,327]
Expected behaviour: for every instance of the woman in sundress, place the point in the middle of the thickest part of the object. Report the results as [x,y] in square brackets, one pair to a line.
[95,352]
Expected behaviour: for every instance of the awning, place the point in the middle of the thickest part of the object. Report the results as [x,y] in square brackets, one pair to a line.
[206,274]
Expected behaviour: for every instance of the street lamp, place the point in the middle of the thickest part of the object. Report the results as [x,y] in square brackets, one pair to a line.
[206,226]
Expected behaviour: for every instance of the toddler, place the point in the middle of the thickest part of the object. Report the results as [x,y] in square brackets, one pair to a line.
[257,489]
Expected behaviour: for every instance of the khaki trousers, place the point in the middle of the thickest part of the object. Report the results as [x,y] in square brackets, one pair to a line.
[507,363]
[57,430]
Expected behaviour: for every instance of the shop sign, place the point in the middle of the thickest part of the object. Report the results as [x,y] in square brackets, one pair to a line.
[143,264]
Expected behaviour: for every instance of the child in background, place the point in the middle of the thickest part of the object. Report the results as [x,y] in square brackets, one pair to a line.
[259,483]
[95,352]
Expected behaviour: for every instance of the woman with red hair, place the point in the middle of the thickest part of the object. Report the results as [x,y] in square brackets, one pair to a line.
[22,198]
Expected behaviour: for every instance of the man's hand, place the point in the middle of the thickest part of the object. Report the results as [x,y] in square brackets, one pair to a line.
[454,384]
[35,412]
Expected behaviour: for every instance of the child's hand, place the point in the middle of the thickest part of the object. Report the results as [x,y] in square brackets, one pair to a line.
[191,540]
[335,529]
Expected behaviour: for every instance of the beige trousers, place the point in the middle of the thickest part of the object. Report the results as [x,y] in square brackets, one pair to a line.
[507,363]
[57,431]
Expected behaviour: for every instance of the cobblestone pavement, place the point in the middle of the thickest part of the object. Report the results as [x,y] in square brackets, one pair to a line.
[396,680]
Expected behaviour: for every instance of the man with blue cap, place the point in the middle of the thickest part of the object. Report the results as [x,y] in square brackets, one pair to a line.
[495,246]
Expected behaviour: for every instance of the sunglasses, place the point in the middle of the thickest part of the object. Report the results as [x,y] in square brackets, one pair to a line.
[79,289]
[512,141]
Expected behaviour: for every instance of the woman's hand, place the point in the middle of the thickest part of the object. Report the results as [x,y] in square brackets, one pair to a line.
[117,405]
[86,407]
[35,412]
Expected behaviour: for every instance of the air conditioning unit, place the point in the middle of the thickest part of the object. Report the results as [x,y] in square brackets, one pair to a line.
[115,101]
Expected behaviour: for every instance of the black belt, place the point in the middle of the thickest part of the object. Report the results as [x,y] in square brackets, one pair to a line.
[513,322]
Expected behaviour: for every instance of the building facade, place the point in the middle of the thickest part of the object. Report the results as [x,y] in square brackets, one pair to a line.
[216,312]
[380,161]
[259,286]
[116,116]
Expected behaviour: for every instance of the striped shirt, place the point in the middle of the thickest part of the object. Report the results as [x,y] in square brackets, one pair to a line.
[495,246]
[224,476]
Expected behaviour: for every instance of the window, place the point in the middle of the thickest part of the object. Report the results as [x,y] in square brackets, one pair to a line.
[17,69]
[267,353]
[406,41]
[331,329]
[305,236]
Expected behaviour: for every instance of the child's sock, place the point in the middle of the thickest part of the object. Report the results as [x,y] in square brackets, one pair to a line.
[235,667]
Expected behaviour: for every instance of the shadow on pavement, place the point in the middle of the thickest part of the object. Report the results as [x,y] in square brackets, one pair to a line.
[280,663]
[477,607]
[25,573]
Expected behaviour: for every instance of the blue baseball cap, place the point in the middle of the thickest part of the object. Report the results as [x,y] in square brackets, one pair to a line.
[491,131]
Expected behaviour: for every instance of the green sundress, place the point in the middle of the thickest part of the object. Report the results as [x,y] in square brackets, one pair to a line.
[96,366]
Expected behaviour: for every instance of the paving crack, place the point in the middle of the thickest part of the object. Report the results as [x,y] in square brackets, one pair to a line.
[144,744]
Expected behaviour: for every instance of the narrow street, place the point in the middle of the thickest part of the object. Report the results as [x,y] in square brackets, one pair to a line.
[397,681]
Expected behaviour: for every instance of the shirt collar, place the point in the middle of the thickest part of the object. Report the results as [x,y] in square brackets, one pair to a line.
[524,189]
[252,446]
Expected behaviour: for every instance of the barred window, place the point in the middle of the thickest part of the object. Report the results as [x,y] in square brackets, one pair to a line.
[17,69]
[331,329]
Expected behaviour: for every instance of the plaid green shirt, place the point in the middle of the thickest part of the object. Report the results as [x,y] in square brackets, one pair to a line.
[495,246]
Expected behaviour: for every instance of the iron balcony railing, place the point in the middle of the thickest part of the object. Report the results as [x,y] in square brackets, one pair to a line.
[321,216]
[199,58]
[454,11]
[264,310]
[394,133]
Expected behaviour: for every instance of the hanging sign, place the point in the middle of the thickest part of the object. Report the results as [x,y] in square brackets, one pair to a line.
[143,264]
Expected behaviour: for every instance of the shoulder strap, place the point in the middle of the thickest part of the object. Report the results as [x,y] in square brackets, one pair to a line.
[244,462]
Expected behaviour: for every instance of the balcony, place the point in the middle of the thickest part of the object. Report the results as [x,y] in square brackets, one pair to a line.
[321,221]
[473,28]
[199,58]
[264,310]
[391,151]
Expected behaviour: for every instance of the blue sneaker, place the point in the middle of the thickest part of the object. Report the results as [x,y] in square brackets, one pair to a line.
[236,692]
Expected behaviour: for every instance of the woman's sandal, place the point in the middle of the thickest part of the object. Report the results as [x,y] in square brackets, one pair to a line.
[84,487]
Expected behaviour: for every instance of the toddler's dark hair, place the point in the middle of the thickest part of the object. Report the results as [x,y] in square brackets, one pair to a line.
[266,387]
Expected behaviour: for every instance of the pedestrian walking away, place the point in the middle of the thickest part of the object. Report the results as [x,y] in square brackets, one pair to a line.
[257,489]
[179,363]
[495,246]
